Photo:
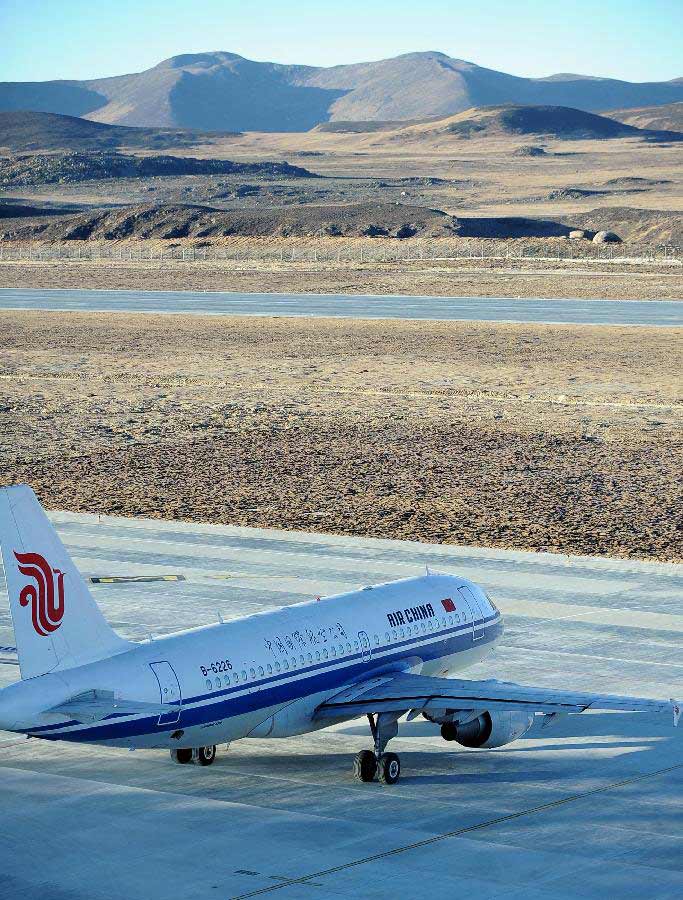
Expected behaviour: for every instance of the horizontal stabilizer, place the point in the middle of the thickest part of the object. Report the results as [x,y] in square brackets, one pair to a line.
[93,706]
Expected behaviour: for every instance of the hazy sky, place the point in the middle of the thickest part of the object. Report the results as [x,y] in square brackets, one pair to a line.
[638,40]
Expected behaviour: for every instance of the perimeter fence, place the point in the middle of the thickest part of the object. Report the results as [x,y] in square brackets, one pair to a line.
[352,252]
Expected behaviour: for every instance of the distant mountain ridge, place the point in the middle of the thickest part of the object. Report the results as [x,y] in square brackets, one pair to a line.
[221,91]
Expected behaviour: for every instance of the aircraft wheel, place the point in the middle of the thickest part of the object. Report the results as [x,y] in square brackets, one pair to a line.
[389,768]
[181,756]
[365,765]
[204,756]
[449,732]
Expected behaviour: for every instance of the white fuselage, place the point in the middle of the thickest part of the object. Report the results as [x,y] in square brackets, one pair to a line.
[265,675]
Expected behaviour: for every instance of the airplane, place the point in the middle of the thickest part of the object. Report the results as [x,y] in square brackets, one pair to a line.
[382,652]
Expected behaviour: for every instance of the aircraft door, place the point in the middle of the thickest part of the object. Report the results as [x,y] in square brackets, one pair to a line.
[365,646]
[169,690]
[476,612]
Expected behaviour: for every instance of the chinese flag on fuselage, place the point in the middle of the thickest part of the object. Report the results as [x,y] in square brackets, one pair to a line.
[448,605]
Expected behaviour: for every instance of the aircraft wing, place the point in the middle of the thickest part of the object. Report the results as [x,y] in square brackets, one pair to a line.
[93,706]
[419,693]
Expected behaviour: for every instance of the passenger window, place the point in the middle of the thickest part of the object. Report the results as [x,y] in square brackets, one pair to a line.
[317,655]
[403,634]
[270,669]
[348,648]
[394,635]
[443,621]
[285,665]
[333,652]
[387,637]
[235,678]
[302,661]
[376,640]
[293,662]
[277,666]
[217,683]
[209,685]
[260,671]
[450,620]
[324,654]
[340,648]
[252,672]
[310,658]
[355,645]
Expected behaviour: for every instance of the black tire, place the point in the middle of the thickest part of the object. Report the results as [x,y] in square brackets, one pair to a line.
[182,756]
[389,768]
[205,756]
[449,732]
[365,766]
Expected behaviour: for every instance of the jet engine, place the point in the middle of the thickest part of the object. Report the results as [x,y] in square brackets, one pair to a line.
[489,729]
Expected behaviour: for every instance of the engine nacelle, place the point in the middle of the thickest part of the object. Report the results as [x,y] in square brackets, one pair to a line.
[490,729]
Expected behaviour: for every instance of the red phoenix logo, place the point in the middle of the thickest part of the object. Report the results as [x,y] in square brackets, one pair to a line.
[47,605]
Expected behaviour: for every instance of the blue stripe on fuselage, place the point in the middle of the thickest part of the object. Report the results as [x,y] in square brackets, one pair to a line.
[267,692]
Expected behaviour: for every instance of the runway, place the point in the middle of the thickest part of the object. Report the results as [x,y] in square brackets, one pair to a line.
[588,808]
[663,313]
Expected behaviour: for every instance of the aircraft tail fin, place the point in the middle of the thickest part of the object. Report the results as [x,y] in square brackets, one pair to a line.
[57,624]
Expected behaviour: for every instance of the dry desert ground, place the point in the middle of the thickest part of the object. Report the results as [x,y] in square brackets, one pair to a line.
[555,438]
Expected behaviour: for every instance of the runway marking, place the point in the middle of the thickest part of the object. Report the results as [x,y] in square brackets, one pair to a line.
[530,652]
[120,579]
[306,879]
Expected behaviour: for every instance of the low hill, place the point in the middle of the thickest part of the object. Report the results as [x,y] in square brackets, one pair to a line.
[182,221]
[377,220]
[222,91]
[668,117]
[553,121]
[70,168]
[22,130]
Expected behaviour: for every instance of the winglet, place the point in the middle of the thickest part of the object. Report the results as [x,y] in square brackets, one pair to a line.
[677,711]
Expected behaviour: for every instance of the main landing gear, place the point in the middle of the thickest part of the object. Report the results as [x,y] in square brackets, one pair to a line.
[370,763]
[201,756]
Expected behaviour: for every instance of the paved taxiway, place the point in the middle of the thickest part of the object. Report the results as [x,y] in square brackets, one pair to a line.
[484,309]
[591,807]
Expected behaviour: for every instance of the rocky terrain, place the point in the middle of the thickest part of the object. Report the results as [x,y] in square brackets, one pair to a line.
[553,438]
[69,168]
[223,91]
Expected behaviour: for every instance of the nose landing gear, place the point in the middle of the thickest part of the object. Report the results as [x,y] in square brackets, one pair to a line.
[369,764]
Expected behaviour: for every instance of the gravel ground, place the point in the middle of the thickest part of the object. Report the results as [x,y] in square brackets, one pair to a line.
[459,278]
[554,438]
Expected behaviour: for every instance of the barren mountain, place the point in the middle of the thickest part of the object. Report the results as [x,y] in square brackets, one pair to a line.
[667,117]
[28,130]
[223,91]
